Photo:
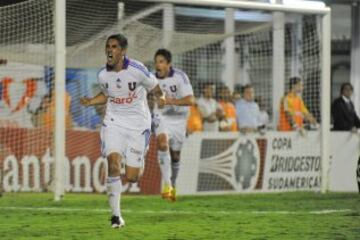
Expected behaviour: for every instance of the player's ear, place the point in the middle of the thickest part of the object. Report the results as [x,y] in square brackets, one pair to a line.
[123,52]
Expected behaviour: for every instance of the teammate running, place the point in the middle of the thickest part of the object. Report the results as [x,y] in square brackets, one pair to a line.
[171,131]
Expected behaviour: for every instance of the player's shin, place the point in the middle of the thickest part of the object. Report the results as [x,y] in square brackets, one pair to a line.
[164,162]
[175,167]
[165,167]
[114,188]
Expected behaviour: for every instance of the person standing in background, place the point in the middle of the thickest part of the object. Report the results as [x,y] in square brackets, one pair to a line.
[247,111]
[293,111]
[209,109]
[343,111]
[228,120]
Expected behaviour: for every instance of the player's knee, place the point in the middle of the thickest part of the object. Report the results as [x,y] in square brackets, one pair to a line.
[113,165]
[175,156]
[162,143]
[114,169]
[163,146]
[114,157]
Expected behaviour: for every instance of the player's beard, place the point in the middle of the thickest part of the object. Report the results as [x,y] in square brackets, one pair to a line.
[112,62]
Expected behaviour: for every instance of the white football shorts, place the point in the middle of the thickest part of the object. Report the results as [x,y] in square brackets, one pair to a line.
[130,144]
[175,130]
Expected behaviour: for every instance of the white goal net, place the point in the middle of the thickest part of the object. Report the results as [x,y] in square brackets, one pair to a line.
[213,45]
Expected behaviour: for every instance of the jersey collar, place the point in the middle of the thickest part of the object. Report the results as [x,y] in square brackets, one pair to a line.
[125,64]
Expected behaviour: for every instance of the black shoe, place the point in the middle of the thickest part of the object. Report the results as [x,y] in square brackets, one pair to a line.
[117,222]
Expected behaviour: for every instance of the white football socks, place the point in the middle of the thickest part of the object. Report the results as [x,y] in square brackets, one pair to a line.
[165,166]
[175,167]
[114,188]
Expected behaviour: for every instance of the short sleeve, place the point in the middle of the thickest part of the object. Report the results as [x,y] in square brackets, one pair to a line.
[185,85]
[303,107]
[102,84]
[149,81]
[145,77]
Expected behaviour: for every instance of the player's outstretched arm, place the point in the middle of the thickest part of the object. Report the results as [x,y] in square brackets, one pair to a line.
[185,101]
[160,96]
[97,100]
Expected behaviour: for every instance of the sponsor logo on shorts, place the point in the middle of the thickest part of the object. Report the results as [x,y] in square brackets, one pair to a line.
[133,150]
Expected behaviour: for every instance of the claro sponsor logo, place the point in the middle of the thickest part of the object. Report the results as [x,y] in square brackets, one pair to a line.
[124,100]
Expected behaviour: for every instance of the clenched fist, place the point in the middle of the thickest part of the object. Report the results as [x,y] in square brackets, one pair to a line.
[161,101]
[85,101]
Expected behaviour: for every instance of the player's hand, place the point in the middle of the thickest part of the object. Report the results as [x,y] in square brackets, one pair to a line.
[85,101]
[170,101]
[212,118]
[161,102]
[302,131]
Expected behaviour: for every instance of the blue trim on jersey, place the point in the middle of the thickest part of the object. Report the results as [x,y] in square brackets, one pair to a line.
[140,67]
[183,75]
[126,62]
[171,74]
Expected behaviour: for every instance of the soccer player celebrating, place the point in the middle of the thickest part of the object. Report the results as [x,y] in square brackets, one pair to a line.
[125,130]
[171,132]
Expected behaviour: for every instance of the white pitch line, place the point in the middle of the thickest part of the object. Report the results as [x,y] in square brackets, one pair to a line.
[58,209]
[329,211]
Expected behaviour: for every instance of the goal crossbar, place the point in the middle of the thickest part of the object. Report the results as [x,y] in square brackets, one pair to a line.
[250,5]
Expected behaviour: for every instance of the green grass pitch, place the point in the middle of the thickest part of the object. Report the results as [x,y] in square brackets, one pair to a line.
[248,216]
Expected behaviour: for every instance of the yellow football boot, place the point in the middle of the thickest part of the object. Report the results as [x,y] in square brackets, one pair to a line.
[166,192]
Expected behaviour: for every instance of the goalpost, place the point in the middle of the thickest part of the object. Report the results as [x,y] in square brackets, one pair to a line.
[227,42]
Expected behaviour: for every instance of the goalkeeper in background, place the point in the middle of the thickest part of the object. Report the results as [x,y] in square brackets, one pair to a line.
[171,131]
[293,111]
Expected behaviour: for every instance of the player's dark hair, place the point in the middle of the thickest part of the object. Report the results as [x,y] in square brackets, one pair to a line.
[344,85]
[293,81]
[221,88]
[245,87]
[165,53]
[206,84]
[122,40]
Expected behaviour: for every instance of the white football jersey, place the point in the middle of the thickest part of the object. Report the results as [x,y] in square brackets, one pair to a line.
[176,85]
[126,90]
